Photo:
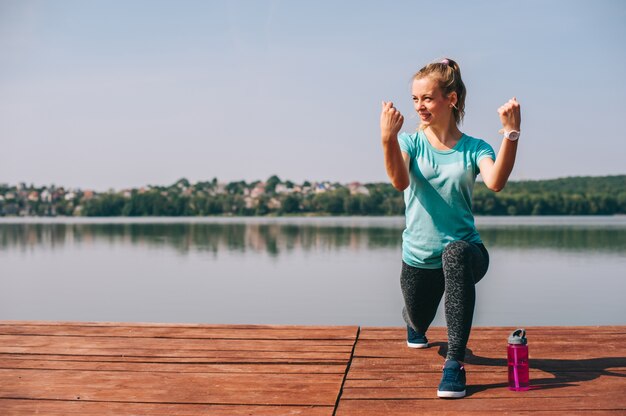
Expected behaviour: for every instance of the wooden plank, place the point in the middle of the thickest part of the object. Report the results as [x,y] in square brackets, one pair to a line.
[13,407]
[175,325]
[209,354]
[599,342]
[404,365]
[237,358]
[426,379]
[181,360]
[391,333]
[546,329]
[33,341]
[261,350]
[89,364]
[558,341]
[487,385]
[245,332]
[479,351]
[211,388]
[557,405]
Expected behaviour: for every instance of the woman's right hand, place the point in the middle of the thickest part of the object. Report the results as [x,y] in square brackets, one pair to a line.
[391,121]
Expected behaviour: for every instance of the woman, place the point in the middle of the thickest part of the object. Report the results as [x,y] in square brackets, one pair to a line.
[436,167]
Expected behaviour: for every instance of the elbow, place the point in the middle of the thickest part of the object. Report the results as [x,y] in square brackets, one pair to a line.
[494,183]
[400,185]
[495,187]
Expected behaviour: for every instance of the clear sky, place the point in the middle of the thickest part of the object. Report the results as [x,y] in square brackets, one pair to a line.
[114,94]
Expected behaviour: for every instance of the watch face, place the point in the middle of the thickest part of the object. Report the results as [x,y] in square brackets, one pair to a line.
[513,136]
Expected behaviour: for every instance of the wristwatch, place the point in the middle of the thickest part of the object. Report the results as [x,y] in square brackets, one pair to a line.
[511,135]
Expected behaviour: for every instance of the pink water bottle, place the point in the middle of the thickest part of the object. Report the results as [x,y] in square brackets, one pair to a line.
[517,353]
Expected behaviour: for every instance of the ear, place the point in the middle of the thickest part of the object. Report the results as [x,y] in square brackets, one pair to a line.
[453,98]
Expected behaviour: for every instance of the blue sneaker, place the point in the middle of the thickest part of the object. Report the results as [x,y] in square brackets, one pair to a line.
[452,384]
[415,340]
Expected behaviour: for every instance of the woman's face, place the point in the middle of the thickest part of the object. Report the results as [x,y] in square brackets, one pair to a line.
[430,103]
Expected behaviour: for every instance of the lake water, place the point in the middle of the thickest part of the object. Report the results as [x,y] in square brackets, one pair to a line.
[327,271]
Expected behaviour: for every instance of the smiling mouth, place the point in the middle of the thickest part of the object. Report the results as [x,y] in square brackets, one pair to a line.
[424,116]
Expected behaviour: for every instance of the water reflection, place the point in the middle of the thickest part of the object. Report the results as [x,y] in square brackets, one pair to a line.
[556,238]
[274,238]
[297,271]
[270,238]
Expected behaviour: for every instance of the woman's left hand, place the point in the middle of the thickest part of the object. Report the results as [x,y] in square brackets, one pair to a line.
[510,115]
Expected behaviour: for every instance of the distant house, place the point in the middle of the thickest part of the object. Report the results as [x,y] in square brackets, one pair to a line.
[274,203]
[357,188]
[258,190]
[219,188]
[251,202]
[33,196]
[88,194]
[58,193]
[281,188]
[320,187]
[46,196]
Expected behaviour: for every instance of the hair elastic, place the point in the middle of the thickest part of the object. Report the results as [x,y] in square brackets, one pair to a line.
[445,61]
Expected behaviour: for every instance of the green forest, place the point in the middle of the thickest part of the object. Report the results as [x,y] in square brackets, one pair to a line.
[566,196]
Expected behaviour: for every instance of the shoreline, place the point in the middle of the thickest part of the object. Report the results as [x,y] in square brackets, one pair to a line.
[481,220]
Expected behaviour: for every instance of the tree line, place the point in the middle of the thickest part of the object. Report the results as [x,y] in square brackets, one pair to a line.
[566,196]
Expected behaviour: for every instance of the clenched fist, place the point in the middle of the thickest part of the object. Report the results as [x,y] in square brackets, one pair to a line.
[510,115]
[391,121]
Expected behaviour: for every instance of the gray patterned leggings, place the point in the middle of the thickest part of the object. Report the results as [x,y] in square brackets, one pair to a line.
[464,264]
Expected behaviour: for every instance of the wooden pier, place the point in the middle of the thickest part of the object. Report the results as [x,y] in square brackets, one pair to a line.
[93,368]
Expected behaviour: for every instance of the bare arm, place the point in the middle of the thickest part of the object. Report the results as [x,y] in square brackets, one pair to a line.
[496,174]
[396,161]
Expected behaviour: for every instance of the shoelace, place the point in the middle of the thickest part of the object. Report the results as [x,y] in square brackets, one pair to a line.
[450,374]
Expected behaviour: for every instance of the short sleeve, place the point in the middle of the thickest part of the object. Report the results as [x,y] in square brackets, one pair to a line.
[484,150]
[407,144]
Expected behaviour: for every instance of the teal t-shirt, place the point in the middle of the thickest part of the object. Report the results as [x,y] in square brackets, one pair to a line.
[439,197]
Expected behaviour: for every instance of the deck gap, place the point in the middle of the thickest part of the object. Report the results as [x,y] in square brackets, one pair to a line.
[168,403]
[345,376]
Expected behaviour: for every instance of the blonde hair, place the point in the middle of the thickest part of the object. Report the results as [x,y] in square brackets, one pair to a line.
[448,75]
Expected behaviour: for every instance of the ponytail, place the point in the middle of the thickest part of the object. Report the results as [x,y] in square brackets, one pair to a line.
[448,75]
